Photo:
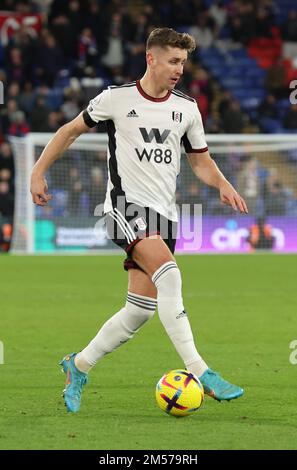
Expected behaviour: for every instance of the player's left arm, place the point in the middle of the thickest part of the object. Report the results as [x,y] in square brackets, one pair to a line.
[207,171]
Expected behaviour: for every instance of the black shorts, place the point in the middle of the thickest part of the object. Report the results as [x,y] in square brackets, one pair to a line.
[127,226]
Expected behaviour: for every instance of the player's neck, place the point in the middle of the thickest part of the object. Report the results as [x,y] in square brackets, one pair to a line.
[151,88]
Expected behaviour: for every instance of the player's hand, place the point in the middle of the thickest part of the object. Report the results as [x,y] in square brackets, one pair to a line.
[231,197]
[39,189]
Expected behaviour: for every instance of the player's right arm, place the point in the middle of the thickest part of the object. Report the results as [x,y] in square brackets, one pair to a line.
[62,139]
[99,109]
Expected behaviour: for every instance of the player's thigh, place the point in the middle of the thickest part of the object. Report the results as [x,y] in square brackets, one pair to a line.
[151,253]
[140,283]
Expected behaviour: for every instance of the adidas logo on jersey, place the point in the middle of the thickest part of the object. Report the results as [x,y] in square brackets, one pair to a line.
[132,113]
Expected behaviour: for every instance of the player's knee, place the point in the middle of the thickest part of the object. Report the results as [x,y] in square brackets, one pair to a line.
[151,254]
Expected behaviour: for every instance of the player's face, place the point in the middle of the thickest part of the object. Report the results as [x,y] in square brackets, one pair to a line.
[167,65]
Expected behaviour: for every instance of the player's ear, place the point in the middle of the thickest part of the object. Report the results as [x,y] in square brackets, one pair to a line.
[150,58]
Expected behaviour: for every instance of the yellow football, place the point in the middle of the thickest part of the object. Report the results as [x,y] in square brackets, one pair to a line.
[179,393]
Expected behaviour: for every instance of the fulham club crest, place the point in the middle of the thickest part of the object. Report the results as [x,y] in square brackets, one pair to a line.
[140,223]
[176,116]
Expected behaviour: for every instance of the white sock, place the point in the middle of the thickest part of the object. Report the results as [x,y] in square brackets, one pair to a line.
[174,318]
[117,330]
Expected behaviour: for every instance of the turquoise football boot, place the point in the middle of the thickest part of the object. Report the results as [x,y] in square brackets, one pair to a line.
[75,381]
[219,388]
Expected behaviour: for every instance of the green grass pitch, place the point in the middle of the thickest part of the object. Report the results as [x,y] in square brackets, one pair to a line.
[243,315]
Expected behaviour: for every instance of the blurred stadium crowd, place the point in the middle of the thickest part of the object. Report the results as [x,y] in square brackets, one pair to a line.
[57,54]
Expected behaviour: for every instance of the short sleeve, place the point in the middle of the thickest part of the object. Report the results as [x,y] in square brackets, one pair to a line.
[99,109]
[194,137]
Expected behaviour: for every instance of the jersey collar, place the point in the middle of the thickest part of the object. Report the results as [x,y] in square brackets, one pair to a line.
[148,97]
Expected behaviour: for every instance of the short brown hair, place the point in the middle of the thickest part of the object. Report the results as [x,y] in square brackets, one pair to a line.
[163,37]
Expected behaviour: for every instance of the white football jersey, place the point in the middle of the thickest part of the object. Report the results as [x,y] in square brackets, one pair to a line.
[145,136]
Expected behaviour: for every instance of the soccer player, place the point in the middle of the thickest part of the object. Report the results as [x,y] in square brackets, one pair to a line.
[146,122]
